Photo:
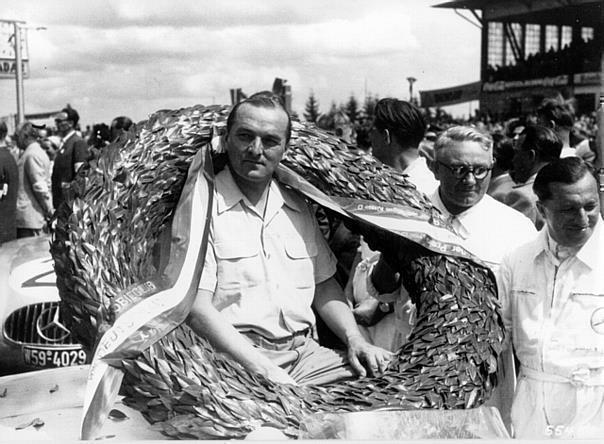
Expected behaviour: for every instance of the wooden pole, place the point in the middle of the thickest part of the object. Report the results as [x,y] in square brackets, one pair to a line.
[600,150]
[19,74]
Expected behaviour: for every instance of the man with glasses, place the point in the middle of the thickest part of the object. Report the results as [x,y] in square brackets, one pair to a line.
[72,154]
[463,160]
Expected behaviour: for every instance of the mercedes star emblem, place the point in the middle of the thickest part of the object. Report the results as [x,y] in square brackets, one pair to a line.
[53,330]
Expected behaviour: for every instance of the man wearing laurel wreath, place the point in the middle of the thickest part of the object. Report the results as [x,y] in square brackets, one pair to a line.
[268,263]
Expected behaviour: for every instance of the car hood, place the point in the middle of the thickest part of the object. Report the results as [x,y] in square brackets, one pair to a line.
[26,273]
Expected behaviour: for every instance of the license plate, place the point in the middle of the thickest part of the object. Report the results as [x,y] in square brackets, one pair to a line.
[53,358]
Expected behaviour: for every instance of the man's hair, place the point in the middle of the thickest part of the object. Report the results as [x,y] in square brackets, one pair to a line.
[3,130]
[262,99]
[558,111]
[463,134]
[567,170]
[72,115]
[402,119]
[121,122]
[503,152]
[544,141]
[28,130]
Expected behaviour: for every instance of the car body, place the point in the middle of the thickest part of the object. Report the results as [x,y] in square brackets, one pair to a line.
[33,334]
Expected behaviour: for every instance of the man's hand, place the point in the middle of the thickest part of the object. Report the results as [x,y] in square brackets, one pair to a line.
[276,374]
[370,311]
[367,359]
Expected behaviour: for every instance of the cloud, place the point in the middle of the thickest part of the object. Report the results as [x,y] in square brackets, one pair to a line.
[132,57]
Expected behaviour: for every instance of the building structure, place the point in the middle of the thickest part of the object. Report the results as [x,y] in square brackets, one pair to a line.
[532,49]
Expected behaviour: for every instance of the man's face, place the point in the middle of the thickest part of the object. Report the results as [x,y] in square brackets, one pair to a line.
[63,124]
[572,211]
[461,193]
[256,142]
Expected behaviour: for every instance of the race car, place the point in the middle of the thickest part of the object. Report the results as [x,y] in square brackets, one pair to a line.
[33,333]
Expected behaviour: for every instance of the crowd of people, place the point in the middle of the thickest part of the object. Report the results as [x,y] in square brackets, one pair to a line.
[38,163]
[577,56]
[524,200]
[258,287]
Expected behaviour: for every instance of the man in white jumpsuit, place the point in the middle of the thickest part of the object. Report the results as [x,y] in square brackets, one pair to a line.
[552,291]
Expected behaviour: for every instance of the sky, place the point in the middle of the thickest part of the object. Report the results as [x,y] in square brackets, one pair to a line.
[133,57]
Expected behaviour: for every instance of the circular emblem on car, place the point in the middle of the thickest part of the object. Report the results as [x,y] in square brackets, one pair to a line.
[49,327]
[597,321]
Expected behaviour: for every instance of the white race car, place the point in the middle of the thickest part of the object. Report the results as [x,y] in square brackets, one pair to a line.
[33,334]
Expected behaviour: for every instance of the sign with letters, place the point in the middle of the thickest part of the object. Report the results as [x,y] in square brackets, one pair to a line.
[8,64]
[451,96]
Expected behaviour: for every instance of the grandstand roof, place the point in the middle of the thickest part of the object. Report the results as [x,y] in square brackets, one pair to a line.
[555,12]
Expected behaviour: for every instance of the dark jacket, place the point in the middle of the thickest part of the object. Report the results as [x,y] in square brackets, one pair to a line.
[9,185]
[72,151]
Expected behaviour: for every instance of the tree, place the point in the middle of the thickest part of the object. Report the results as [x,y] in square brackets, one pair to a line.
[311,109]
[365,121]
[352,109]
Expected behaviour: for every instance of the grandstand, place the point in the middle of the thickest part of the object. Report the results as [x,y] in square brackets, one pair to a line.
[536,49]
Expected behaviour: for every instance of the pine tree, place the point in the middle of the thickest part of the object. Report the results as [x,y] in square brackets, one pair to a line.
[365,121]
[352,109]
[311,109]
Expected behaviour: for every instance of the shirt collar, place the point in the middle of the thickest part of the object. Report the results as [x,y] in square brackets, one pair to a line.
[229,194]
[461,220]
[590,253]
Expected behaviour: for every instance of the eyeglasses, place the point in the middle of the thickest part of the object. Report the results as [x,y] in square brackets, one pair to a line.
[461,171]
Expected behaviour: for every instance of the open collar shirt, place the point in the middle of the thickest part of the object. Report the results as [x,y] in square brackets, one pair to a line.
[262,268]
[489,229]
[555,309]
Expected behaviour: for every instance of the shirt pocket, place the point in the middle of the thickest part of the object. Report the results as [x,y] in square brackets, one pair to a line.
[527,314]
[238,264]
[301,258]
[583,322]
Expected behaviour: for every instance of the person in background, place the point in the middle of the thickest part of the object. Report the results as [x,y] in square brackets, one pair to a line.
[537,146]
[9,185]
[501,183]
[398,129]
[34,204]
[99,138]
[267,263]
[487,228]
[119,125]
[559,115]
[552,292]
[72,154]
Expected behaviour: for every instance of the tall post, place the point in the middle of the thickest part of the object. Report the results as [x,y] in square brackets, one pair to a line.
[19,74]
[600,151]
[411,80]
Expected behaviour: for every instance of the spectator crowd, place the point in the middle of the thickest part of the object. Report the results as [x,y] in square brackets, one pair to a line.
[38,163]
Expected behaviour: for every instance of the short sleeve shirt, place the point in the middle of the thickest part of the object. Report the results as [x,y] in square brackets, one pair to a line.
[263,268]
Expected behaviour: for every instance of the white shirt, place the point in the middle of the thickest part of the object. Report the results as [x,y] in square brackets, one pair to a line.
[555,312]
[421,176]
[489,229]
[262,268]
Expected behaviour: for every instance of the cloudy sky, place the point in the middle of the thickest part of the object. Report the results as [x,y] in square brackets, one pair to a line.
[133,57]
